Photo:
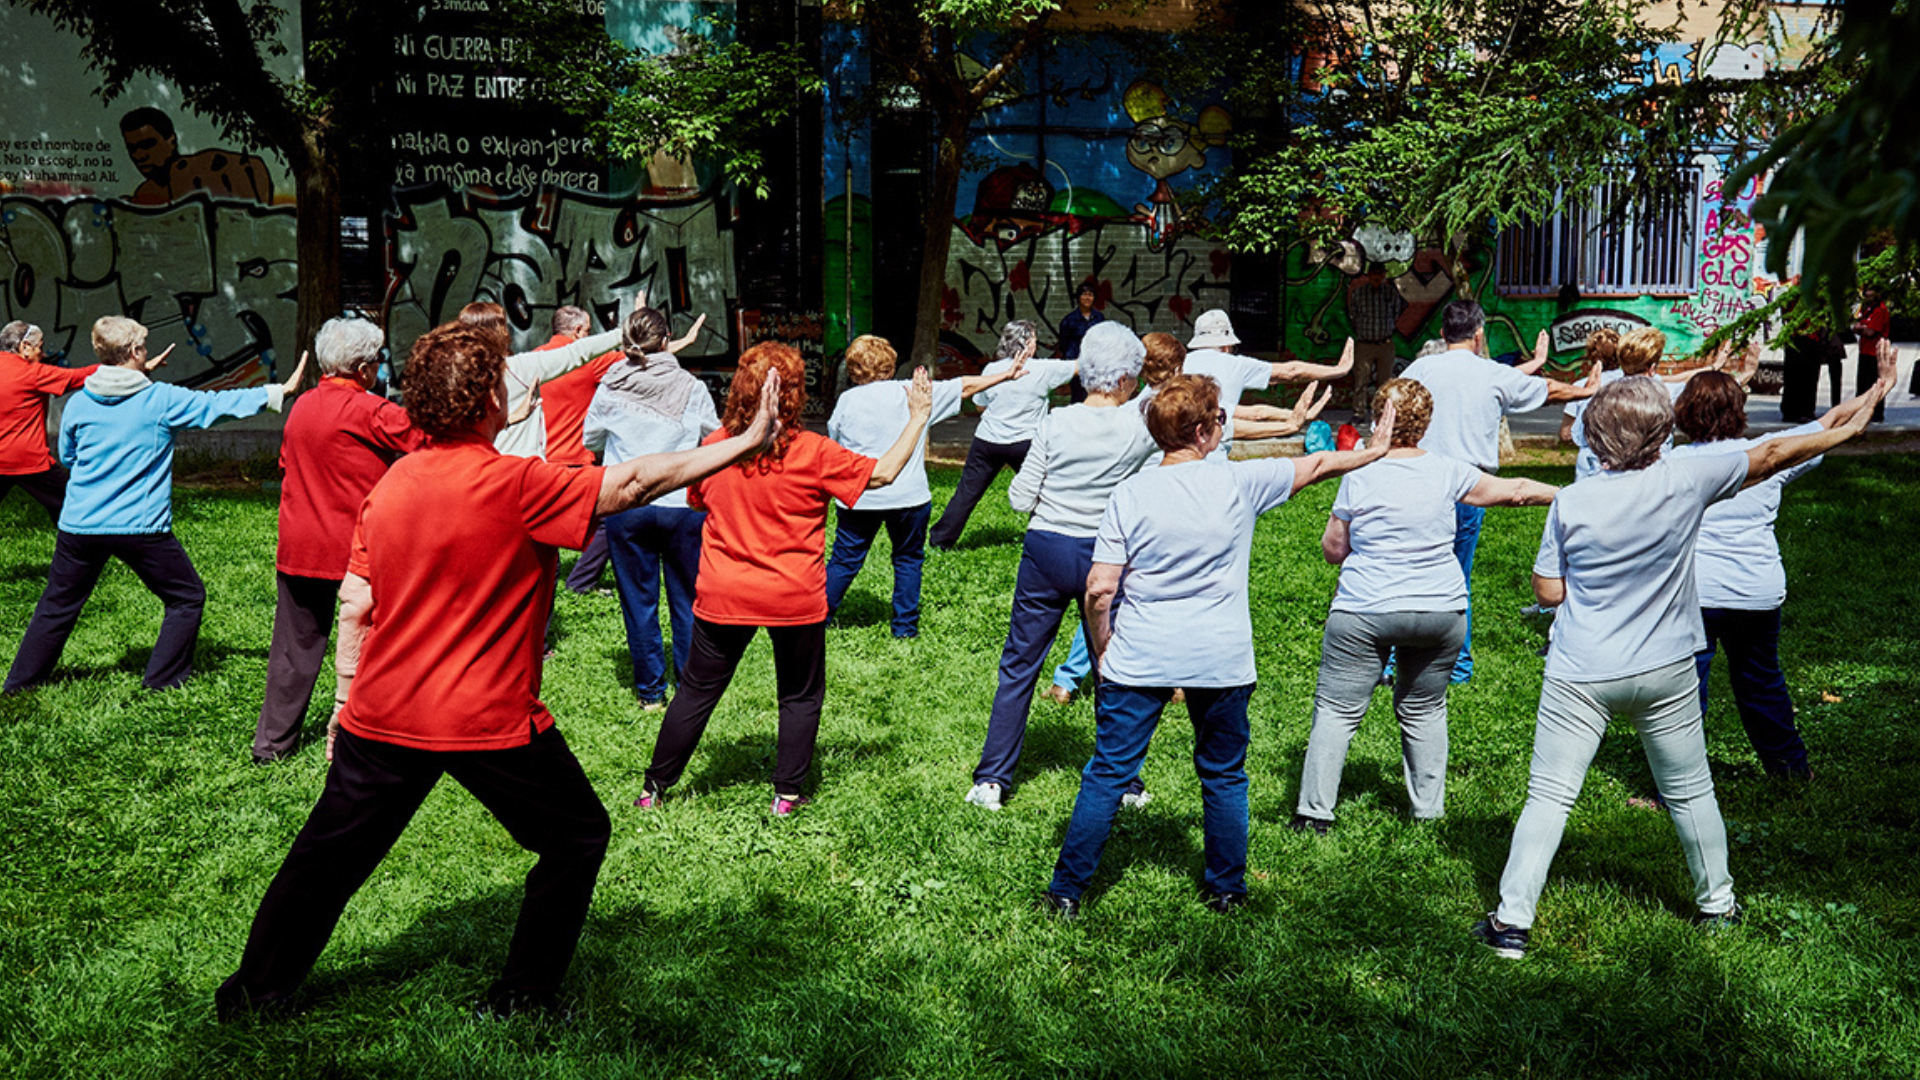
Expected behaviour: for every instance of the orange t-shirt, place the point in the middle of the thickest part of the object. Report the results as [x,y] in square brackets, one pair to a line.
[763,549]
[459,544]
[564,401]
[24,389]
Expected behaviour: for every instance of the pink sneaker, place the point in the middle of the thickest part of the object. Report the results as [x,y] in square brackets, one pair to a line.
[785,805]
[648,800]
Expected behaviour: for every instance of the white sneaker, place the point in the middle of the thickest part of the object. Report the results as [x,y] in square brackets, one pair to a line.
[1136,801]
[985,795]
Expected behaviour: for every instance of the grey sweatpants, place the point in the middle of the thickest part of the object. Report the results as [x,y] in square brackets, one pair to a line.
[1664,706]
[1352,655]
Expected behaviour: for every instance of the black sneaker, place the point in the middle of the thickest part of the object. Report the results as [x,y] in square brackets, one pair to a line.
[1226,903]
[1507,942]
[1061,907]
[1303,823]
[1719,923]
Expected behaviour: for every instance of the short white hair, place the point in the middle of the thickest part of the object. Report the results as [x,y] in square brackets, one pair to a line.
[571,321]
[1108,354]
[115,338]
[343,344]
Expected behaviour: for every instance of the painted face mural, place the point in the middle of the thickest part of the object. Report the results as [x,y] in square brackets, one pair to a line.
[1163,147]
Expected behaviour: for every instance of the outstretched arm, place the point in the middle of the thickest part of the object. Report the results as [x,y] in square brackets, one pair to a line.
[1268,422]
[1510,491]
[973,384]
[650,476]
[1330,463]
[1778,455]
[1533,366]
[692,336]
[1292,371]
[1559,391]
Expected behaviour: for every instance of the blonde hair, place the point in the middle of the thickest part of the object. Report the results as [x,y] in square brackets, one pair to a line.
[1640,350]
[1412,410]
[870,359]
[115,338]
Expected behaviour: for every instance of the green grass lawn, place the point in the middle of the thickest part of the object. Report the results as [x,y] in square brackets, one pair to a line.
[890,930]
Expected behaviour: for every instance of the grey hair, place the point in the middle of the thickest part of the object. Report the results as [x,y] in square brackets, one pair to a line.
[1628,422]
[1014,339]
[571,321]
[1109,354]
[343,344]
[646,331]
[17,333]
[1433,347]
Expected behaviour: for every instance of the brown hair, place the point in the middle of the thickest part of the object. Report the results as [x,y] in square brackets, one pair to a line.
[1628,423]
[1165,357]
[1603,345]
[1412,410]
[870,359]
[449,380]
[1181,408]
[1640,350]
[743,400]
[645,332]
[1711,408]
[490,320]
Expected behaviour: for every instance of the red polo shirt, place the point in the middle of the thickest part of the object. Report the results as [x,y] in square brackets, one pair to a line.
[564,401]
[763,549]
[24,389]
[458,543]
[338,442]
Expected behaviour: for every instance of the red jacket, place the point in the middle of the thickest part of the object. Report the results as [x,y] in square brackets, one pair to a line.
[24,389]
[338,442]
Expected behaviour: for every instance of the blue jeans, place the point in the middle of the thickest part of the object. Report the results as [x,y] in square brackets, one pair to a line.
[854,531]
[1127,716]
[1079,662]
[1752,641]
[643,542]
[1052,578]
[1466,537]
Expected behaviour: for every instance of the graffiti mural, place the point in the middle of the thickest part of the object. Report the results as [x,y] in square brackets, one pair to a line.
[214,279]
[534,251]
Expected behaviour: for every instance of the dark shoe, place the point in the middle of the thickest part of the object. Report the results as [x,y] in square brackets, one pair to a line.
[1226,903]
[500,1004]
[907,634]
[1303,823]
[1507,942]
[1061,907]
[232,1004]
[1720,923]
[651,704]
[268,759]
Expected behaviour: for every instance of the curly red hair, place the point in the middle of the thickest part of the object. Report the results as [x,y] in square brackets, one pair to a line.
[449,380]
[743,400]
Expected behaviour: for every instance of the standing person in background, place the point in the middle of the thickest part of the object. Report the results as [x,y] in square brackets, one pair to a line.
[867,420]
[1011,411]
[117,437]
[1073,330]
[1617,560]
[1804,355]
[1166,596]
[1470,396]
[1374,305]
[338,442]
[762,565]
[1079,455]
[1872,327]
[1401,590]
[526,432]
[1214,352]
[649,404]
[26,382]
[439,673]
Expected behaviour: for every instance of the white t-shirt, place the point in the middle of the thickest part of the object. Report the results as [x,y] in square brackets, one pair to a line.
[867,419]
[1184,534]
[1078,456]
[625,431]
[1236,374]
[1014,408]
[1586,463]
[1736,561]
[1470,395]
[1400,519]
[1623,541]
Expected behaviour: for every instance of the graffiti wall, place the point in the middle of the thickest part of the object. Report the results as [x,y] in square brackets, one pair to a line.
[139,207]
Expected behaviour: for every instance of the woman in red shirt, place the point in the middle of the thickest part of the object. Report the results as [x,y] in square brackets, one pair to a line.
[439,671]
[762,564]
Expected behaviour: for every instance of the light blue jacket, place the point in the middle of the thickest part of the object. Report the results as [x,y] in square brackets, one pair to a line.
[116,435]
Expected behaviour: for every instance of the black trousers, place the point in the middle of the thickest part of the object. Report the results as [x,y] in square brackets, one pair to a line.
[984,462]
[163,567]
[586,572]
[800,675]
[537,791]
[302,624]
[48,488]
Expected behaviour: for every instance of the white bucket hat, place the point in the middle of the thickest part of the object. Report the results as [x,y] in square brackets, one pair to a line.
[1212,330]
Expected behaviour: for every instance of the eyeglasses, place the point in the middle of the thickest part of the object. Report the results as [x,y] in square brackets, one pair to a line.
[1220,418]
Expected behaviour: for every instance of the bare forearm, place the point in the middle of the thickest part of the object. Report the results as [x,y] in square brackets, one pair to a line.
[1778,455]
[646,478]
[356,603]
[1331,463]
[973,384]
[1099,628]
[1565,391]
[1549,591]
[1295,371]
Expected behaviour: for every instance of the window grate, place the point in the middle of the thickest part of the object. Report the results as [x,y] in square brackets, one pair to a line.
[1653,251]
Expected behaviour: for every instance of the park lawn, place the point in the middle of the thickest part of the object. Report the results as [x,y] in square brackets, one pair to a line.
[890,930]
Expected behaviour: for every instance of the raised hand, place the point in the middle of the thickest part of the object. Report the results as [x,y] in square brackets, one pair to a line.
[766,419]
[292,385]
[1889,358]
[527,405]
[1307,407]
[920,394]
[1346,361]
[692,335]
[161,360]
[1593,377]
[1382,437]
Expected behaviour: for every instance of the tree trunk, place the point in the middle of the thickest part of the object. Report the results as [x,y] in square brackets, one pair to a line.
[316,182]
[942,198]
